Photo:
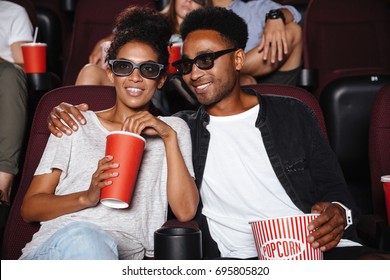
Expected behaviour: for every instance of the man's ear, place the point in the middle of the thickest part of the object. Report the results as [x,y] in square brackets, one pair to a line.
[239,59]
[110,75]
[161,81]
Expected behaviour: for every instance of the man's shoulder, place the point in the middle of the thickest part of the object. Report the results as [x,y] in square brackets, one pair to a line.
[280,98]
[186,115]
[275,99]
[290,109]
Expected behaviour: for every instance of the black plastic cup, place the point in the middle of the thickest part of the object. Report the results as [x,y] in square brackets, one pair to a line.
[177,243]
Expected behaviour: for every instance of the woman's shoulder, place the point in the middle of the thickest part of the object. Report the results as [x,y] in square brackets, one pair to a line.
[89,114]
[175,122]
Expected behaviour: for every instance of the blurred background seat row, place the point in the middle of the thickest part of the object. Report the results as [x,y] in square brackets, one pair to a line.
[339,36]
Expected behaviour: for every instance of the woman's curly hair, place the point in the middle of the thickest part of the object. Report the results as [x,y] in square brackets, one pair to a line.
[146,25]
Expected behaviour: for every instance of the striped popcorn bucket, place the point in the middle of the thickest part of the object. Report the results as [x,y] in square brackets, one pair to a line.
[284,238]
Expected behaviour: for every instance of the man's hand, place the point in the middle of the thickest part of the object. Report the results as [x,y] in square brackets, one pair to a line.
[63,112]
[328,228]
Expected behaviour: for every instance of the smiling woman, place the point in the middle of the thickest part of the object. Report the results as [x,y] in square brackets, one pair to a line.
[65,195]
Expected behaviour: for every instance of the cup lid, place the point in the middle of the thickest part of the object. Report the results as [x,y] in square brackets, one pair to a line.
[127,133]
[33,44]
[385,178]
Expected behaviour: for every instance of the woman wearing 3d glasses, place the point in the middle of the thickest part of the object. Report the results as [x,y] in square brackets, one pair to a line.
[65,191]
[175,11]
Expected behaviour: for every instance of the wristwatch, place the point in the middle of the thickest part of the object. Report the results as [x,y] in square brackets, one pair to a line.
[348,214]
[275,14]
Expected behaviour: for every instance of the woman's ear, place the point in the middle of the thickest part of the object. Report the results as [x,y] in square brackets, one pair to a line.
[110,75]
[239,59]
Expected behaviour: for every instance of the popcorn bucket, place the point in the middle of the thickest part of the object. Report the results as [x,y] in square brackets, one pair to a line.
[285,238]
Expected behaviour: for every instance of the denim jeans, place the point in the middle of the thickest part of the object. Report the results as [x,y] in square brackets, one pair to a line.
[77,241]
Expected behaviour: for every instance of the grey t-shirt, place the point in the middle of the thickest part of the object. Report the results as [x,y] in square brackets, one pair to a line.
[78,155]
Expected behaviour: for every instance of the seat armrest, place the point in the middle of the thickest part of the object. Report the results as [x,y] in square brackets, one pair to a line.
[308,79]
[68,5]
[371,228]
[175,223]
[43,81]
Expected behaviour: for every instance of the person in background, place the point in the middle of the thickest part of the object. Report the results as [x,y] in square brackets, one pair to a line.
[177,10]
[274,49]
[275,43]
[15,29]
[274,160]
[64,194]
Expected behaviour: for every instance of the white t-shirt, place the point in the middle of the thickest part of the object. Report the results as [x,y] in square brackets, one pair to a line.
[240,185]
[15,26]
[77,156]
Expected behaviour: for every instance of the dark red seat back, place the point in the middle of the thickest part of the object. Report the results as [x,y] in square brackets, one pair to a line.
[94,20]
[346,34]
[379,148]
[17,232]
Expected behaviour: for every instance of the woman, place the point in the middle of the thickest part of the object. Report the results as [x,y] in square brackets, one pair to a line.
[65,191]
[93,74]
[177,10]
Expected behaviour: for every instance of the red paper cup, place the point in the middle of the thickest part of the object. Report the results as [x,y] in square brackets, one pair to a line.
[174,55]
[127,149]
[284,238]
[34,56]
[386,188]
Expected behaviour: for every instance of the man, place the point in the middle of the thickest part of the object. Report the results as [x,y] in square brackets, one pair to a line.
[15,29]
[286,169]
[254,156]
[274,48]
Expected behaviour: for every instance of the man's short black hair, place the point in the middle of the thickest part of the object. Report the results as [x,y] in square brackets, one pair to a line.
[231,26]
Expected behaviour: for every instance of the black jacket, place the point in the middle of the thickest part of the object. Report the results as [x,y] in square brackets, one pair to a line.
[298,151]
